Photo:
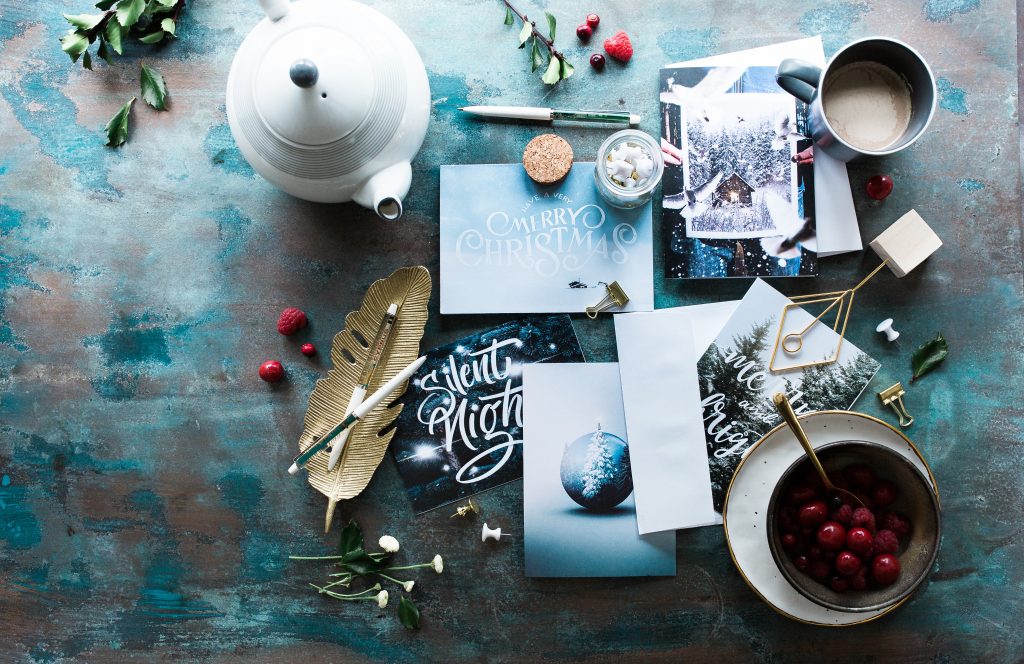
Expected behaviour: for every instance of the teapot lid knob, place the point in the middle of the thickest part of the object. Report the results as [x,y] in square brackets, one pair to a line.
[304,73]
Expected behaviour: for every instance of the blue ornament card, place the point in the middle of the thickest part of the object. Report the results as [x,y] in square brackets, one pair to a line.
[460,430]
[510,245]
[579,512]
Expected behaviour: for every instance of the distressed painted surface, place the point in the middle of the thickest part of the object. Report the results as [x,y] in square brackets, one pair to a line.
[144,506]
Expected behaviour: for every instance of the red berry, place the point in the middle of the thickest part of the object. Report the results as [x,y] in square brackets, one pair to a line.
[820,569]
[896,523]
[814,552]
[619,47]
[860,476]
[865,497]
[879,186]
[812,514]
[271,371]
[859,581]
[847,563]
[831,536]
[863,517]
[291,321]
[843,515]
[593,20]
[885,541]
[790,542]
[859,540]
[584,32]
[802,562]
[597,61]
[839,584]
[885,569]
[802,493]
[309,350]
[884,493]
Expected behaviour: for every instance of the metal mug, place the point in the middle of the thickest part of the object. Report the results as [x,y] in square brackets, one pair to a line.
[805,81]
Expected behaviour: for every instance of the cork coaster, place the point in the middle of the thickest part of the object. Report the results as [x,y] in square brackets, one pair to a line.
[547,158]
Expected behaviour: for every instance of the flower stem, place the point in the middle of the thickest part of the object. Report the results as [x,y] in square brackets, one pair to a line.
[392,579]
[391,569]
[315,557]
[547,42]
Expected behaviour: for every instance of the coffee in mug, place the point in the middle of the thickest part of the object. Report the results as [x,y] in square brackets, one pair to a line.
[867,104]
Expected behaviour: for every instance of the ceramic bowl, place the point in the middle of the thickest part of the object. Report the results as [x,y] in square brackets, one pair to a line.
[915,499]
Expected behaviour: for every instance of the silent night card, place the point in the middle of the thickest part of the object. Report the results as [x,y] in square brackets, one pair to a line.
[736,386]
[579,513]
[510,245]
[738,195]
[461,427]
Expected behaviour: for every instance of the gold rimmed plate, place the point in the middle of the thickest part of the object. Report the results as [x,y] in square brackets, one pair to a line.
[746,506]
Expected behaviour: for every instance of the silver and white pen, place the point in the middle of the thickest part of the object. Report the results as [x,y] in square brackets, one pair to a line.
[359,413]
[540,114]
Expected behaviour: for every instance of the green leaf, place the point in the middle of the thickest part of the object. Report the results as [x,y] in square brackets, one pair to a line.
[509,19]
[167,3]
[113,33]
[154,90]
[525,33]
[552,75]
[74,44]
[87,60]
[103,51]
[84,21]
[566,70]
[360,562]
[105,4]
[117,128]
[153,37]
[168,25]
[551,26]
[929,355]
[351,538]
[537,56]
[129,11]
[408,613]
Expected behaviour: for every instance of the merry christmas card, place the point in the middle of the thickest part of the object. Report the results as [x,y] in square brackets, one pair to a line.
[461,426]
[579,514]
[736,384]
[510,245]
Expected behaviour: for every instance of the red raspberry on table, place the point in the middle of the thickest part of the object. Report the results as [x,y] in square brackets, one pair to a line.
[885,569]
[271,371]
[843,515]
[859,540]
[619,47]
[291,321]
[885,542]
[863,518]
[847,563]
[896,523]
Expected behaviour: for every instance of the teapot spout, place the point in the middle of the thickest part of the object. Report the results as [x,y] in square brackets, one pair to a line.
[383,192]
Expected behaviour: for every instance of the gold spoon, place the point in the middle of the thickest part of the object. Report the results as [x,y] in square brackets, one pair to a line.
[786,411]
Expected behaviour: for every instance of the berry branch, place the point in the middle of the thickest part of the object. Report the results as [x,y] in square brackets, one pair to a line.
[558,68]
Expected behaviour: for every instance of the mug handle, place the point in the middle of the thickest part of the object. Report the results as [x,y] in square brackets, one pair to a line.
[799,78]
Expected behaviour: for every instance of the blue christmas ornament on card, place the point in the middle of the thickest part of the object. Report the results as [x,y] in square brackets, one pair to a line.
[596,472]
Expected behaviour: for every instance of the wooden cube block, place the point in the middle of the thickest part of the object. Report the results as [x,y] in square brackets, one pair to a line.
[906,243]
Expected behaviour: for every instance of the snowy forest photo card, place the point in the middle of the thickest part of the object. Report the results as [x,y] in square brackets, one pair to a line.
[510,245]
[579,514]
[736,386]
[738,185]
[461,426]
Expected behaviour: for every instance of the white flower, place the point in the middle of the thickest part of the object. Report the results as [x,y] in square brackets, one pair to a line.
[437,564]
[388,543]
[382,599]
[408,586]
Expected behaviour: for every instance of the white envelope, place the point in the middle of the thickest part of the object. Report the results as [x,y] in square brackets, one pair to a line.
[835,215]
[658,354]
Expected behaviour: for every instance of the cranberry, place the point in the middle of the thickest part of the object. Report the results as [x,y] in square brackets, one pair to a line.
[831,536]
[597,61]
[584,32]
[790,542]
[811,514]
[860,476]
[885,569]
[879,186]
[859,581]
[309,350]
[864,496]
[847,563]
[839,584]
[820,570]
[802,493]
[271,371]
[884,493]
[802,562]
[814,551]
[593,20]
[859,540]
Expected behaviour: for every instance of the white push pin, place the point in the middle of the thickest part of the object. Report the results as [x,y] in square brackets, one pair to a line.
[885,327]
[491,534]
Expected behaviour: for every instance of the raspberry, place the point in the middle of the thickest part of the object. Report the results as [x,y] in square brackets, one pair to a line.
[885,542]
[884,493]
[896,523]
[843,515]
[859,540]
[271,371]
[309,350]
[291,321]
[862,517]
[619,47]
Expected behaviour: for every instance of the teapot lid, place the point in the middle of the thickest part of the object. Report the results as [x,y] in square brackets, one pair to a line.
[322,89]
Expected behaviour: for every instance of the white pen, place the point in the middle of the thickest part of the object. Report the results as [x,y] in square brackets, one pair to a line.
[540,114]
[361,410]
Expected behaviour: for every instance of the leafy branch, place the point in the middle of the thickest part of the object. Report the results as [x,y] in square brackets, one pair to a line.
[558,68]
[149,21]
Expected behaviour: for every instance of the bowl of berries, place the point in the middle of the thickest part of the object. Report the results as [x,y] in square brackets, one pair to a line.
[864,548]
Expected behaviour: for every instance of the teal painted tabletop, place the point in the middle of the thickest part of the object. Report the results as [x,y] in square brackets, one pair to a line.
[145,511]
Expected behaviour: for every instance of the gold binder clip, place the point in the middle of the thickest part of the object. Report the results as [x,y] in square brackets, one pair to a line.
[893,397]
[463,510]
[614,297]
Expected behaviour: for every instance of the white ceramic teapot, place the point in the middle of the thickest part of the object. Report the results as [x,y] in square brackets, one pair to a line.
[329,100]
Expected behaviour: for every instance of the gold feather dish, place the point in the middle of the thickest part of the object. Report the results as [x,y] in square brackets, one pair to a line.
[409,288]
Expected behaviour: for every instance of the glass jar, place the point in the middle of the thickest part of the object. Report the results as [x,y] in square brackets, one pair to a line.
[615,186]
